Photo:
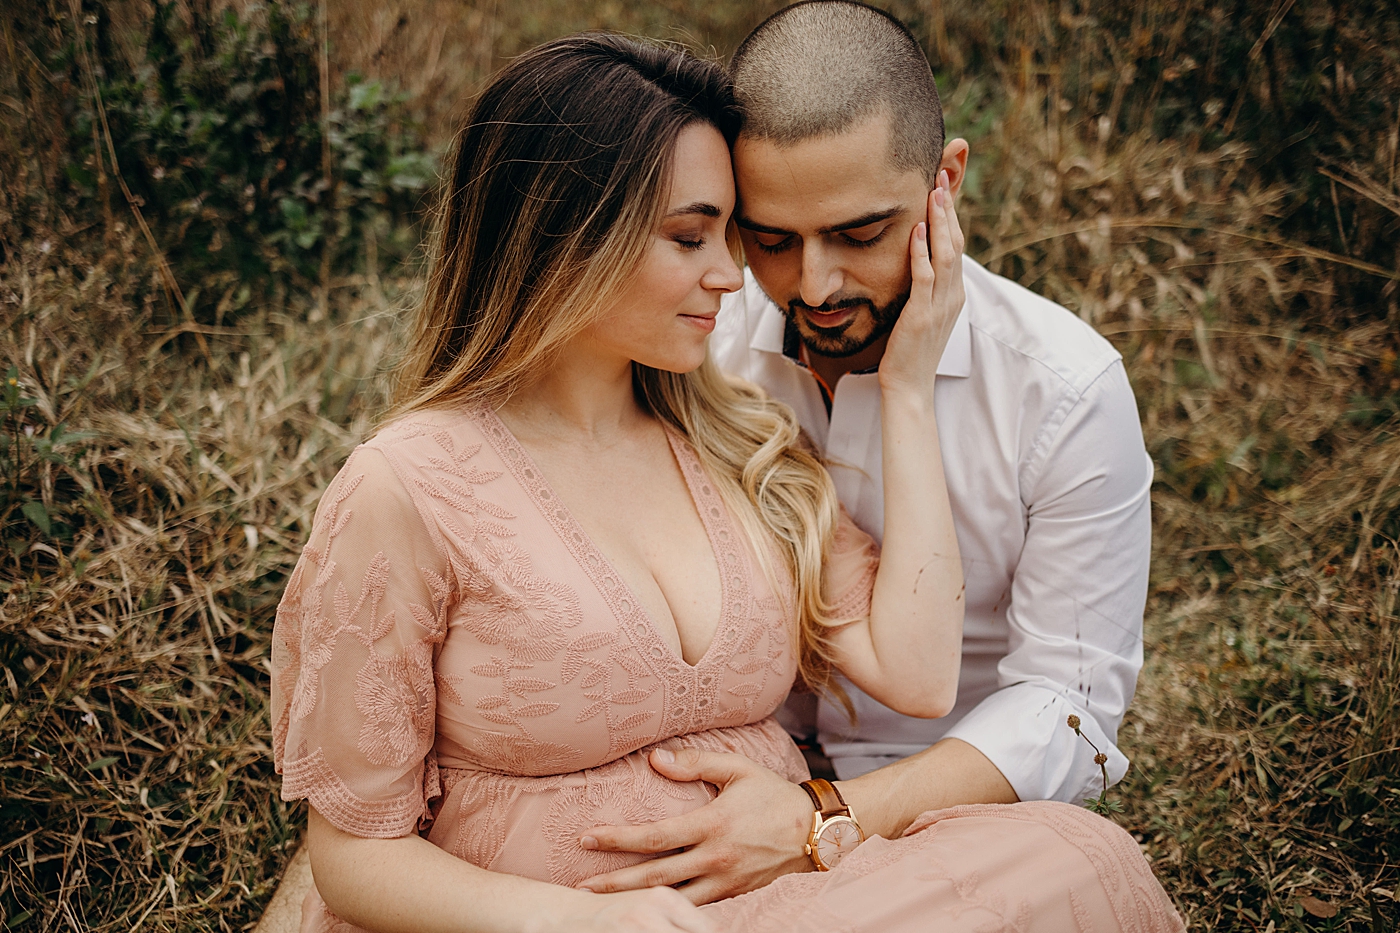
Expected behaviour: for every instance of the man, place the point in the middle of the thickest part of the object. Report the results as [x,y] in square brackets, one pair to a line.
[841,143]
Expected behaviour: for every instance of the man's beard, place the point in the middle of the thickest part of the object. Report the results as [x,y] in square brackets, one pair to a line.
[837,342]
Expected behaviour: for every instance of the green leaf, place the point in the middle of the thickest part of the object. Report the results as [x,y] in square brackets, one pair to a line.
[101,763]
[294,212]
[411,171]
[79,175]
[1191,373]
[366,96]
[34,511]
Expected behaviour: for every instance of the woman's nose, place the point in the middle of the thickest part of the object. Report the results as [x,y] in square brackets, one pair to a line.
[726,276]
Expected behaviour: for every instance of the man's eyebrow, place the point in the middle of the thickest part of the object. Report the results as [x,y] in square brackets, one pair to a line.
[863,220]
[696,207]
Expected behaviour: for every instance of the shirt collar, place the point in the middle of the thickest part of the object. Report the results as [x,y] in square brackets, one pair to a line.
[957,355]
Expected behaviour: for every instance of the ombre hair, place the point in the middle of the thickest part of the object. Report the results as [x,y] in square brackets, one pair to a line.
[559,179]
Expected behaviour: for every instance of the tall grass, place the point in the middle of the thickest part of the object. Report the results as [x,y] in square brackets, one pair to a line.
[136,786]
[146,542]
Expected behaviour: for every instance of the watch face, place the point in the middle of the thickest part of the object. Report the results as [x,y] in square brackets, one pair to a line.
[839,836]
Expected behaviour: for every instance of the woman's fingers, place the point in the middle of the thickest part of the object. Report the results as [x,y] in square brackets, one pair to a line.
[656,910]
[920,268]
[678,913]
[921,272]
[947,251]
[954,226]
[935,295]
[692,920]
[941,222]
[929,247]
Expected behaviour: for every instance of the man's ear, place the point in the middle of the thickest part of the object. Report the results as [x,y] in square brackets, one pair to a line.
[955,163]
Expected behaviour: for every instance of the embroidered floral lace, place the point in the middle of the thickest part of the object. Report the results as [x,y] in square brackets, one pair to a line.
[453,656]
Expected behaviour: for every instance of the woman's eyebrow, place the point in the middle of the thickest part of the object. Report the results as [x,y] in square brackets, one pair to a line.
[702,208]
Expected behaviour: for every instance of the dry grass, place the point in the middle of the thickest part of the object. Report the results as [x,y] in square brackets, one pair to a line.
[133,734]
[138,790]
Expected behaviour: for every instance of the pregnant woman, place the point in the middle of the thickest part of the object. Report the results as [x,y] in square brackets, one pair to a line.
[575,548]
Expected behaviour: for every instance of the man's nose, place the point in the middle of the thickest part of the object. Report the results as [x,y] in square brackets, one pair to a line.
[820,276]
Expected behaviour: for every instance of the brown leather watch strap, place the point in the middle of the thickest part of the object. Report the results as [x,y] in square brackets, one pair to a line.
[825,797]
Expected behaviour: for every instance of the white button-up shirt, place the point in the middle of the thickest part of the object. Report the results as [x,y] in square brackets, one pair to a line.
[1049,482]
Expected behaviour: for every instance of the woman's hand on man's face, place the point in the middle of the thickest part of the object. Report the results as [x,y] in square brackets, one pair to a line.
[936,298]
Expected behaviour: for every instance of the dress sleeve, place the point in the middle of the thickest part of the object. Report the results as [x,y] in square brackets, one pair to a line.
[353,693]
[849,575]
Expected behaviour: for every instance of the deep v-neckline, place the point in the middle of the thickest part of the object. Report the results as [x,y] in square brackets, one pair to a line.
[704,497]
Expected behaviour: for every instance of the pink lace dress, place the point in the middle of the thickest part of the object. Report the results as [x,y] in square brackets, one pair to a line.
[454,657]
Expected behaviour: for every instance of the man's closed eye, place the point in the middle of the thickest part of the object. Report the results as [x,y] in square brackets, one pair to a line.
[866,236]
[773,242]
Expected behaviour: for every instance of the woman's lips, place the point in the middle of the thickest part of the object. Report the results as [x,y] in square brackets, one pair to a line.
[706,324]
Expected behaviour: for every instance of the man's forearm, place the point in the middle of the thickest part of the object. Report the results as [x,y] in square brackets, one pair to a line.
[947,774]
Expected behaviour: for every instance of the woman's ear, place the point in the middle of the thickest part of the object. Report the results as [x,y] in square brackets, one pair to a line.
[955,163]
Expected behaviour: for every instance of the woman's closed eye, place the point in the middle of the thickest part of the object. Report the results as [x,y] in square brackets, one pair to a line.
[689,242]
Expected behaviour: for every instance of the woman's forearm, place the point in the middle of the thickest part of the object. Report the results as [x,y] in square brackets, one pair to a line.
[916,611]
[409,885]
[907,655]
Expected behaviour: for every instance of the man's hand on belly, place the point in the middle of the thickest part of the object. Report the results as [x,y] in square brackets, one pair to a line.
[752,833]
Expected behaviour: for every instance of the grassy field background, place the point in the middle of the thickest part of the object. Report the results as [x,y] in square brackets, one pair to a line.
[209,217]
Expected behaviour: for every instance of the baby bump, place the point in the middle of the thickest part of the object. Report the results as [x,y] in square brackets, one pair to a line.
[531,826]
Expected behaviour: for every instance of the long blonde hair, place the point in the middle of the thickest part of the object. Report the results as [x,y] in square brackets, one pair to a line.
[559,178]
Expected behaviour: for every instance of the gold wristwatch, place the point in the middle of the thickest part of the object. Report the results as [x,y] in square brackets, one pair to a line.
[835,831]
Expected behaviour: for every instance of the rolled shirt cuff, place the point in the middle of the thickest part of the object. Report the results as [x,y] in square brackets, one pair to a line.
[1023,730]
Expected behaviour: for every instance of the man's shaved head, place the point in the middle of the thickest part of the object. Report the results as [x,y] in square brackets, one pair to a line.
[820,67]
